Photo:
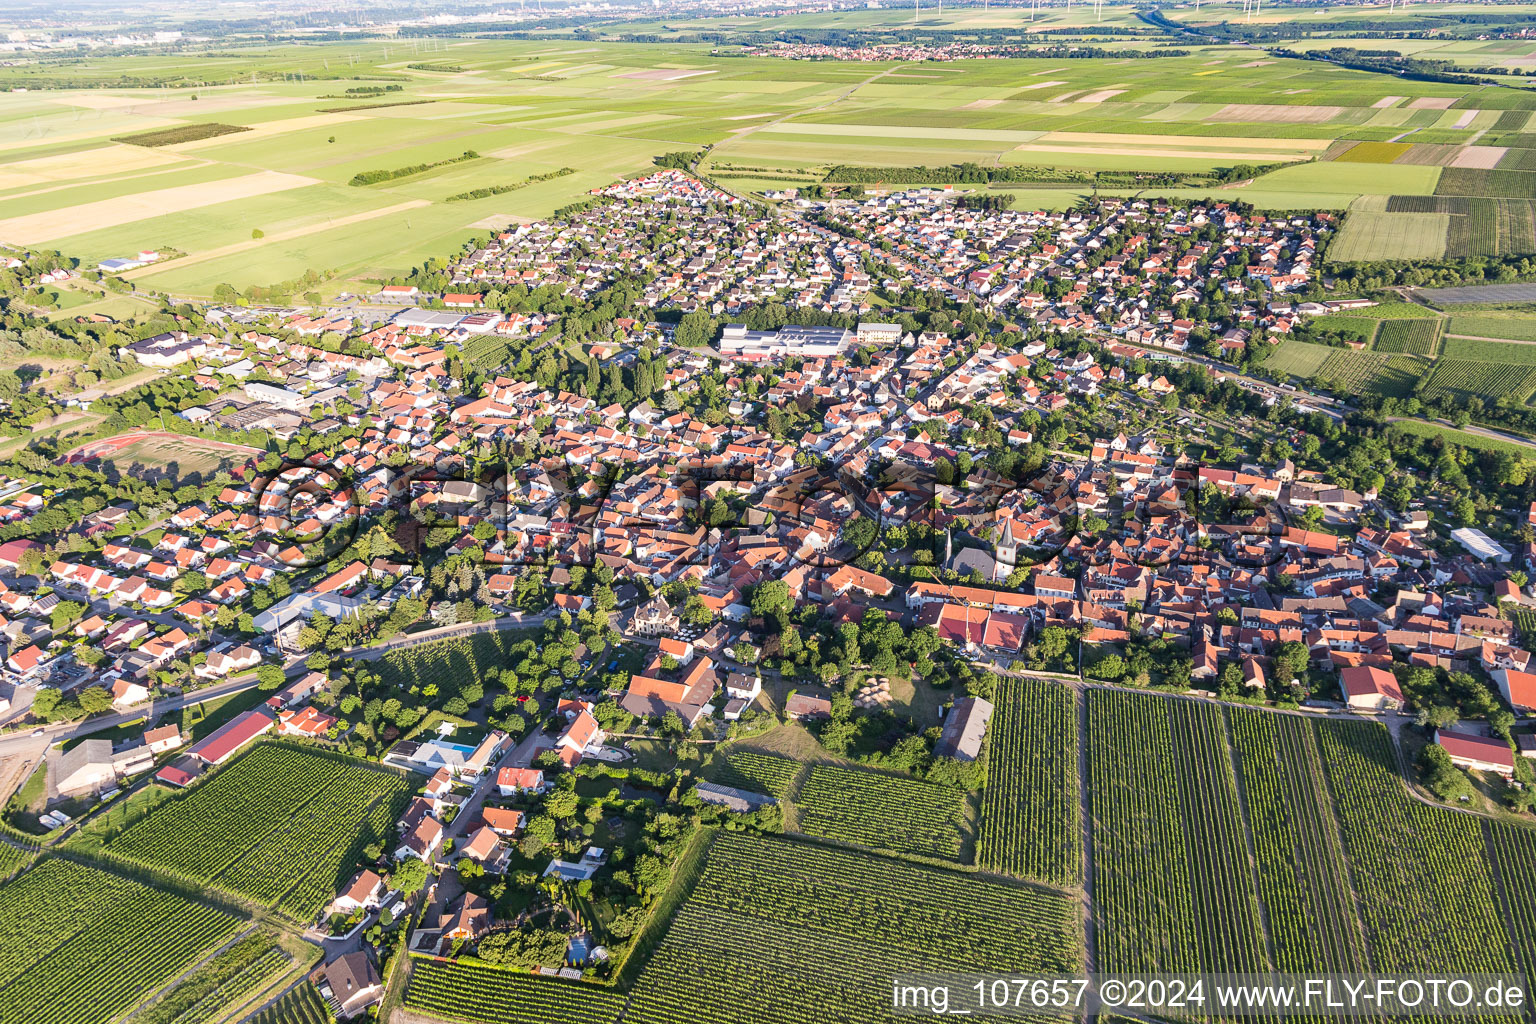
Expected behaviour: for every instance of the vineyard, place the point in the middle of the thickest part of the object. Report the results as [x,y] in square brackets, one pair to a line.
[1462,379]
[1421,874]
[220,983]
[280,826]
[449,663]
[763,773]
[1410,337]
[62,922]
[1174,887]
[299,1005]
[884,811]
[1302,875]
[780,932]
[1030,821]
[477,992]
[1351,372]
[1514,856]
[1143,905]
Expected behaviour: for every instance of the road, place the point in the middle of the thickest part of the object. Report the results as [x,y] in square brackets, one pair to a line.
[514,621]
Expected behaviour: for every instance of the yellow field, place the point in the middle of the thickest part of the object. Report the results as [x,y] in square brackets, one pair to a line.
[115,159]
[32,228]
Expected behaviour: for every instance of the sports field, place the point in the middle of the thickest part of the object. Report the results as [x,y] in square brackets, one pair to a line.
[315,116]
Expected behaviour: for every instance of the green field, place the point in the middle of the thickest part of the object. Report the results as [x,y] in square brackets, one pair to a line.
[1030,814]
[1337,868]
[1515,326]
[607,109]
[1413,337]
[61,922]
[883,811]
[279,826]
[775,930]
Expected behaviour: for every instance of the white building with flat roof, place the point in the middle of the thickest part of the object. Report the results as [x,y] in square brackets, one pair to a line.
[1480,545]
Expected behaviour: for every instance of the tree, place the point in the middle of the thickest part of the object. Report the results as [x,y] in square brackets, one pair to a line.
[95,699]
[1441,776]
[409,876]
[270,677]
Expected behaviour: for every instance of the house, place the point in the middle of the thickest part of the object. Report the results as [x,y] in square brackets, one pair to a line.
[803,708]
[1479,753]
[511,781]
[1519,688]
[365,891]
[580,735]
[485,848]
[1370,688]
[422,840]
[655,618]
[167,737]
[128,692]
[83,770]
[502,820]
[220,745]
[964,729]
[350,984]
[223,663]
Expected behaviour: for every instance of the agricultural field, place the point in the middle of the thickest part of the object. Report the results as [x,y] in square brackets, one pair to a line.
[1422,877]
[279,826]
[1463,379]
[1371,235]
[61,922]
[1410,337]
[1302,875]
[1514,326]
[299,1005]
[268,139]
[763,773]
[883,811]
[1030,814]
[1349,372]
[219,983]
[773,930]
[448,663]
[1169,893]
[479,992]
[1513,848]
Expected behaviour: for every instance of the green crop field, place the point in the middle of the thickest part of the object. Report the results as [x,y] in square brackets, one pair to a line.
[1169,894]
[1515,326]
[300,1005]
[1463,379]
[61,922]
[1302,876]
[883,811]
[221,982]
[1351,372]
[1494,184]
[449,663]
[480,992]
[1297,358]
[1413,337]
[763,773]
[280,826]
[1422,875]
[1368,235]
[1030,816]
[781,932]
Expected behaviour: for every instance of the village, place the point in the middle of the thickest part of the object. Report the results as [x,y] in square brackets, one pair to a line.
[690,509]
